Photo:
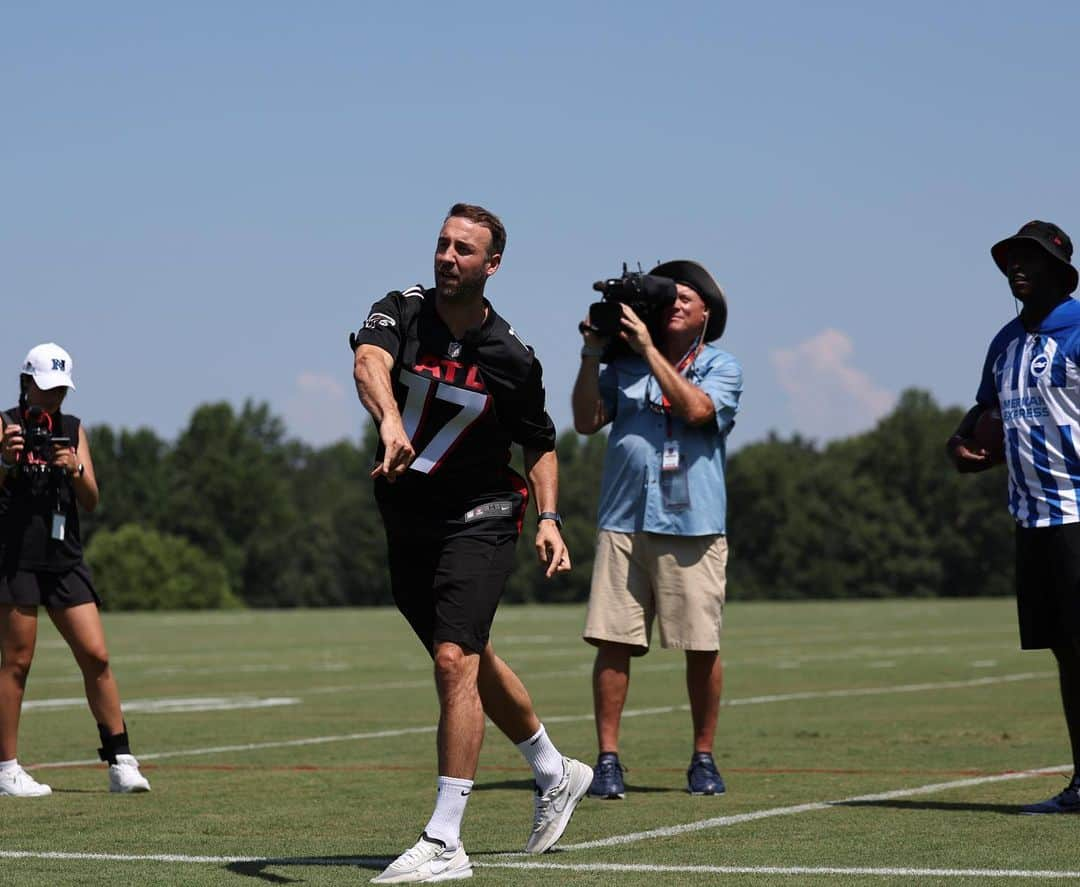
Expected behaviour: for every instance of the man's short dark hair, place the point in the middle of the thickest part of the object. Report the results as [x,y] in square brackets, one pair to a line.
[484,217]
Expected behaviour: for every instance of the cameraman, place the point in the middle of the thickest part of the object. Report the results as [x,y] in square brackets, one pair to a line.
[45,475]
[661,546]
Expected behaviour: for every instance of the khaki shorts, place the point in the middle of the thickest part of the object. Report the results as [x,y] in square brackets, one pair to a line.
[679,579]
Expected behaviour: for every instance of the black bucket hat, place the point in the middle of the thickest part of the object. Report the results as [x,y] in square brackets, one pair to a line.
[701,281]
[1047,235]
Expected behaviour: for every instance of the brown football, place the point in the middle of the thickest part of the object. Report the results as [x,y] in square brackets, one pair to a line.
[990,434]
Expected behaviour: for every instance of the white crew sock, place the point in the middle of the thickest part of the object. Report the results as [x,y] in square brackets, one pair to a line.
[546,760]
[9,765]
[445,822]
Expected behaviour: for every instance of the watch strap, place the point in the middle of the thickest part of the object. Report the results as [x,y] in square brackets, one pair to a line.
[551,515]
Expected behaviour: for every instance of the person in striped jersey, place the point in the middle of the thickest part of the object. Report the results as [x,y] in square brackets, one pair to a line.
[1032,378]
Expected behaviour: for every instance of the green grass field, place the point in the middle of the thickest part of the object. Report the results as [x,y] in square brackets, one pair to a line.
[329,770]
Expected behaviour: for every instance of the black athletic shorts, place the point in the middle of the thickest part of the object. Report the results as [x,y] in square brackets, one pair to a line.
[55,591]
[1048,585]
[448,588]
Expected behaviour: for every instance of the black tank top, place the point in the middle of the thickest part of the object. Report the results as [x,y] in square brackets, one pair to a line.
[26,515]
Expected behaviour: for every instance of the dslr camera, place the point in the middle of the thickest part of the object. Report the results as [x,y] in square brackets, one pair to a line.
[35,461]
[38,439]
[648,296]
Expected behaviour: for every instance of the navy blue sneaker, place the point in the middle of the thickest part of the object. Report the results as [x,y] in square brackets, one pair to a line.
[1066,802]
[607,782]
[702,777]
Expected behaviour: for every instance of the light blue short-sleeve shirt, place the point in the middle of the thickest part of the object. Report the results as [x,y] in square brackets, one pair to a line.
[630,496]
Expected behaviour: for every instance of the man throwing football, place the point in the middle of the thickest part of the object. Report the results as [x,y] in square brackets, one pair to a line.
[451,387]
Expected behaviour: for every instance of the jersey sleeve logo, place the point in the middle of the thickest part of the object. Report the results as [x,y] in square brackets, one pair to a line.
[377,320]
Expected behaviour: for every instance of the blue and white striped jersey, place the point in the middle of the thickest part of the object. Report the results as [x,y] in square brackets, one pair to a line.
[1034,379]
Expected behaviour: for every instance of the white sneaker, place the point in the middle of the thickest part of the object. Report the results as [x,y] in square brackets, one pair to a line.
[425,862]
[17,783]
[124,776]
[555,807]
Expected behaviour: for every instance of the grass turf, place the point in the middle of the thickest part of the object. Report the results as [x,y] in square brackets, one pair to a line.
[824,702]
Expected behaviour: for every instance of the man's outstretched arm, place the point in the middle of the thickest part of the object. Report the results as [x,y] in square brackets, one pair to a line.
[371,372]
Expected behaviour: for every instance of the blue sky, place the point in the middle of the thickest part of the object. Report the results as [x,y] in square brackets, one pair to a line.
[201,200]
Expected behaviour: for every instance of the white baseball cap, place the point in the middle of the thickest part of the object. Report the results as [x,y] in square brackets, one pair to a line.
[50,365]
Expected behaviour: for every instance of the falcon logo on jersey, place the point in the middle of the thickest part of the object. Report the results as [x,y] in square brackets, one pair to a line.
[378,320]
[453,350]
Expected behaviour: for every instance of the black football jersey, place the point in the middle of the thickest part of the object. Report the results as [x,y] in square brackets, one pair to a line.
[463,403]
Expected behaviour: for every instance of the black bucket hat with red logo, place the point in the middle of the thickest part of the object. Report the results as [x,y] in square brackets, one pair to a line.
[700,281]
[1051,238]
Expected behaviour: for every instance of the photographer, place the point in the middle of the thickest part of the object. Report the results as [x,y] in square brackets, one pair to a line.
[671,396]
[46,474]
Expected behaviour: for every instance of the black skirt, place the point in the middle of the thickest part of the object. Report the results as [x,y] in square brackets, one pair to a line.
[55,591]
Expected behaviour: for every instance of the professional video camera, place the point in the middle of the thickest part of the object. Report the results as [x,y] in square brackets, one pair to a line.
[646,294]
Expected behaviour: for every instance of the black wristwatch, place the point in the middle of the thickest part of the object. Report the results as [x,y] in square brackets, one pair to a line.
[551,515]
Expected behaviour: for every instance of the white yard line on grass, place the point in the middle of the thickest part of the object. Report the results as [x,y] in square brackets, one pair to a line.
[861,651]
[793,661]
[171,705]
[784,870]
[563,719]
[749,639]
[252,746]
[738,818]
[899,688]
[832,694]
[369,862]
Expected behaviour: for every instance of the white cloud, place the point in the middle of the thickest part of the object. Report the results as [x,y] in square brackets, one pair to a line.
[320,411]
[827,396]
[320,386]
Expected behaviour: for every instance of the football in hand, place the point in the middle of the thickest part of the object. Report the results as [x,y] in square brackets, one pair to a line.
[989,434]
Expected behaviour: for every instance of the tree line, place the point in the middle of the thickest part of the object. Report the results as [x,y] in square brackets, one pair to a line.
[236,513]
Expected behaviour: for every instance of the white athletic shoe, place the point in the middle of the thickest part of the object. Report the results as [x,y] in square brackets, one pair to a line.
[124,776]
[555,807]
[17,783]
[425,862]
